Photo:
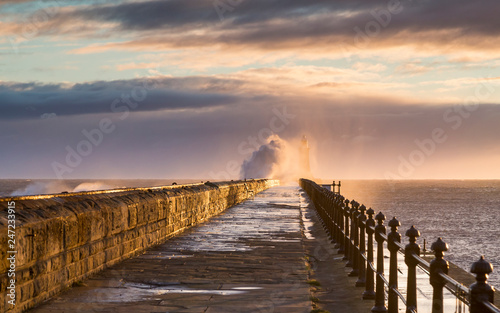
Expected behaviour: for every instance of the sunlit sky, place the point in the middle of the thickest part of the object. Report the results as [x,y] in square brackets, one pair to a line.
[174,88]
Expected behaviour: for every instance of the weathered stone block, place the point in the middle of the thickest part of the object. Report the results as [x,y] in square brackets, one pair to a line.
[26,291]
[132,215]
[96,226]
[96,247]
[70,232]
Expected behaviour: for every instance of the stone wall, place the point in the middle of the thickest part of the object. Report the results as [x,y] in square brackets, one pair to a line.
[62,239]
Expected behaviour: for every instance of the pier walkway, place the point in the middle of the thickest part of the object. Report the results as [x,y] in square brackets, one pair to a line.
[263,255]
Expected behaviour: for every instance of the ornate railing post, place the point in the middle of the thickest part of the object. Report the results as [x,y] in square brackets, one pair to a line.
[361,282]
[438,265]
[481,291]
[338,222]
[369,290]
[341,226]
[329,200]
[333,204]
[380,290]
[392,238]
[346,231]
[411,287]
[323,214]
[354,240]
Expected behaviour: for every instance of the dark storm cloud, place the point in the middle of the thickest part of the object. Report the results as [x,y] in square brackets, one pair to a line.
[32,100]
[280,23]
[178,13]
[316,17]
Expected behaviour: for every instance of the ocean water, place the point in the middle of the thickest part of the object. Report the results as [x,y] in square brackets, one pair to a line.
[465,214]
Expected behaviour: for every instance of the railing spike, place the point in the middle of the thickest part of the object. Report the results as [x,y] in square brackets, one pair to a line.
[481,291]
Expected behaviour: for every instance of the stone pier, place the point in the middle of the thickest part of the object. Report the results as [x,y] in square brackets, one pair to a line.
[269,254]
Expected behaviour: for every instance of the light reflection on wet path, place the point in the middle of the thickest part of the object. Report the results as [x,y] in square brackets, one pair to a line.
[270,216]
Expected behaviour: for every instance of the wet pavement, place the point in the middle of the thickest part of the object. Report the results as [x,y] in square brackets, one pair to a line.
[249,259]
[259,256]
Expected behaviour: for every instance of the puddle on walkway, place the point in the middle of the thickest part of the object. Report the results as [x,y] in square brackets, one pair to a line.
[163,255]
[305,216]
[272,215]
[247,288]
[131,292]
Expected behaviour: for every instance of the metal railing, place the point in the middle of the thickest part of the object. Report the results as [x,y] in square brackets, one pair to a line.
[354,229]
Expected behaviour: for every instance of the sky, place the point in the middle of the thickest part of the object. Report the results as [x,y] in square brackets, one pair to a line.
[398,89]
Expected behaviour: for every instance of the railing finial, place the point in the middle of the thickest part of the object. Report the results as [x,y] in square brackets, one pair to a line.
[439,247]
[481,291]
[438,266]
[370,212]
[412,234]
[481,268]
[380,217]
[394,224]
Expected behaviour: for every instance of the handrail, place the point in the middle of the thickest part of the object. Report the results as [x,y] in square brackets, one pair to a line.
[354,229]
[423,264]
[490,306]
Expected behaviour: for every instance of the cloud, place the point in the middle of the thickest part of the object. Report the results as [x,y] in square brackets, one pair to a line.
[264,54]
[32,100]
[247,87]
[199,129]
[334,28]
[6,2]
[325,16]
[195,143]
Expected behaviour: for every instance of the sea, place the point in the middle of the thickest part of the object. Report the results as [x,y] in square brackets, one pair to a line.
[24,187]
[464,213]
